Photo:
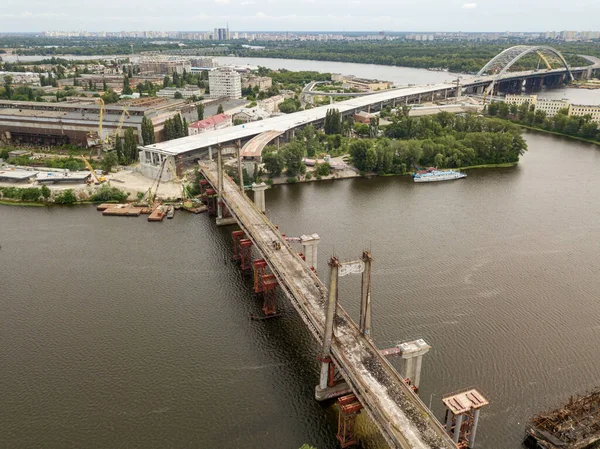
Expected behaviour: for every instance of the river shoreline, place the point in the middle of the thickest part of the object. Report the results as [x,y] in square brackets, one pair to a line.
[281,181]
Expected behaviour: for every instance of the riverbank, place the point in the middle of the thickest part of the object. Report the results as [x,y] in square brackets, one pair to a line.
[555,133]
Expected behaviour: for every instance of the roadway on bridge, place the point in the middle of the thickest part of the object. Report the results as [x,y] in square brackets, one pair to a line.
[402,418]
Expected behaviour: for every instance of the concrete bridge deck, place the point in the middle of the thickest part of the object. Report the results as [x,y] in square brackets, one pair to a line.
[403,419]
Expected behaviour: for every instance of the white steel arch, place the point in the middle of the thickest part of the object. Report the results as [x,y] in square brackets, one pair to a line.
[506,59]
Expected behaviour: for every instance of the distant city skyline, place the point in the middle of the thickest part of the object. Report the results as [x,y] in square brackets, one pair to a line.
[302,15]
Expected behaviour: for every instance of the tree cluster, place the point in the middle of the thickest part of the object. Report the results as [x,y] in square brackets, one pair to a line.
[333,122]
[562,122]
[175,128]
[443,140]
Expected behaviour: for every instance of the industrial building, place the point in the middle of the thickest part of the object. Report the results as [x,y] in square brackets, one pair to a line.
[225,82]
[164,64]
[186,92]
[30,78]
[75,121]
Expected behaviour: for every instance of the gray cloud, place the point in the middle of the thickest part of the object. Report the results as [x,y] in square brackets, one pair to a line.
[300,15]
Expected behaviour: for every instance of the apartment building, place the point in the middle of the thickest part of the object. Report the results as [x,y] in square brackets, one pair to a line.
[225,82]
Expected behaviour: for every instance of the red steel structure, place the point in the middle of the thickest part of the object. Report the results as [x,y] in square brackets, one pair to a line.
[349,407]
[237,236]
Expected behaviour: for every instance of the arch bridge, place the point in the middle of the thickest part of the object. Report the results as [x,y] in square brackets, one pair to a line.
[497,69]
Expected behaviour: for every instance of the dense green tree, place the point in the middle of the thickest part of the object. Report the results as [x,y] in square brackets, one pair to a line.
[293,153]
[492,109]
[200,111]
[119,150]
[358,151]
[333,122]
[126,87]
[130,144]
[109,161]
[8,91]
[148,136]
[274,163]
[503,110]
[220,109]
[166,81]
[178,95]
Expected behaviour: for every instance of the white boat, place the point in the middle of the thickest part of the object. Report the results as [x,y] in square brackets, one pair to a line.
[438,175]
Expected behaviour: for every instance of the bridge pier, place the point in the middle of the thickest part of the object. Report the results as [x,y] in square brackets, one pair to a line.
[309,248]
[462,416]
[412,355]
[259,195]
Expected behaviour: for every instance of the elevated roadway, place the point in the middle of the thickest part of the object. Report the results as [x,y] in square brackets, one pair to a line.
[404,421]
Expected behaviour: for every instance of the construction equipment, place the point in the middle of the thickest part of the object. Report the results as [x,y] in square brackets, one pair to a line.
[99,179]
[120,125]
[152,198]
[98,142]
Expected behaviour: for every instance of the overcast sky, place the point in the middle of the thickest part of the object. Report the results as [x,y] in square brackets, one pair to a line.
[300,15]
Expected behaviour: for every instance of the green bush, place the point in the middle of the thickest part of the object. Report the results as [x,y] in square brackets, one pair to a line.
[309,176]
[11,192]
[46,192]
[107,193]
[269,182]
[66,197]
[292,180]
[31,194]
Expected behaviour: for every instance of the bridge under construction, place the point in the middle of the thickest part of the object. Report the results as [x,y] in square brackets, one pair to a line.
[347,349]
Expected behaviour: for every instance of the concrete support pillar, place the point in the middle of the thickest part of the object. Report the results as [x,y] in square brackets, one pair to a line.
[394,103]
[210,154]
[239,164]
[330,99]
[457,426]
[219,182]
[449,417]
[277,143]
[369,109]
[365,296]
[419,100]
[309,248]
[418,365]
[259,195]
[474,428]
[412,354]
[334,264]
[445,94]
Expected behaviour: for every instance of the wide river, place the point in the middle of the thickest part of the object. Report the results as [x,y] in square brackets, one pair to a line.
[123,333]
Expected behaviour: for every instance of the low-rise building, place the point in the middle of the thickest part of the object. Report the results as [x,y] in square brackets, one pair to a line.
[164,65]
[186,92]
[337,77]
[204,63]
[271,104]
[218,121]
[363,117]
[246,115]
[30,78]
[520,99]
[579,110]
[551,107]
[224,82]
[366,84]
[263,82]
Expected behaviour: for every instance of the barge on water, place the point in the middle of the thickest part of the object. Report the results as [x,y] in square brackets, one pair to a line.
[576,425]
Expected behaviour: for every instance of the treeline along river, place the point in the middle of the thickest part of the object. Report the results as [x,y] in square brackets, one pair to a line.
[123,333]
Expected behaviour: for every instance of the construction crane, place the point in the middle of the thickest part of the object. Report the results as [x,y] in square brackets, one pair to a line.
[100,141]
[120,125]
[152,198]
[99,179]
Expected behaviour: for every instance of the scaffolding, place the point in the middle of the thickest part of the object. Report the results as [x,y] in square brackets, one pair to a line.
[575,425]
